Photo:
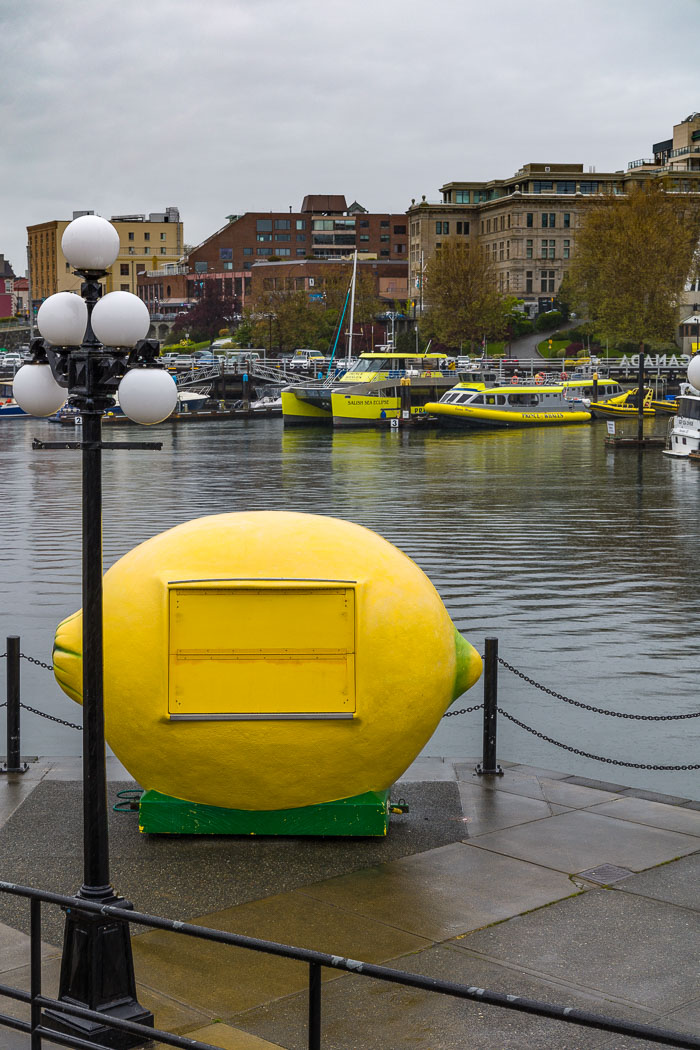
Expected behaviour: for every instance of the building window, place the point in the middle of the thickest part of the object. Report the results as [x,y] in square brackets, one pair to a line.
[528,249]
[567,249]
[131,235]
[384,224]
[226,253]
[462,196]
[547,249]
[529,219]
[399,249]
[301,236]
[124,269]
[164,251]
[283,251]
[546,280]
[283,236]
[385,236]
[132,251]
[263,251]
[228,266]
[528,281]
[263,237]
[283,224]
[364,236]
[548,218]
[364,222]
[247,251]
[567,219]
[566,187]
[480,196]
[146,236]
[589,187]
[301,224]
[542,187]
[124,287]
[399,229]
[384,252]
[301,251]
[263,225]
[501,248]
[200,267]
[162,236]
[146,250]
[438,228]
[507,249]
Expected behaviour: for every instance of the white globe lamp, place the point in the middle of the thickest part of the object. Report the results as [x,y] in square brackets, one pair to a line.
[694,371]
[62,319]
[120,319]
[36,391]
[90,243]
[147,395]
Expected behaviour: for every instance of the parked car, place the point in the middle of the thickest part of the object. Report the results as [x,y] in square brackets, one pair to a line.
[10,362]
[307,359]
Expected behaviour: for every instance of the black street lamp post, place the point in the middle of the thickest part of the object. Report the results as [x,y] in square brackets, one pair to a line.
[97,969]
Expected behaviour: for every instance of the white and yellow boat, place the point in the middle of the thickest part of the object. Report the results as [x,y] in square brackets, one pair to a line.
[381,386]
[516,405]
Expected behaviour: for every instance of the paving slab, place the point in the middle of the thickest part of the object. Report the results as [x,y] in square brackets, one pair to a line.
[428,769]
[606,940]
[580,839]
[14,948]
[229,1038]
[372,1015]
[224,980]
[544,788]
[495,810]
[444,891]
[677,883]
[655,814]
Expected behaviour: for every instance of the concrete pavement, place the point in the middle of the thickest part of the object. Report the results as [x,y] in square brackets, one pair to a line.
[534,883]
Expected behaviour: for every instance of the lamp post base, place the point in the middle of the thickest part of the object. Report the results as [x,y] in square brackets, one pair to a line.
[97,973]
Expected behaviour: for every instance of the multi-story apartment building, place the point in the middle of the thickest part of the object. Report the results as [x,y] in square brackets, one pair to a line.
[527,224]
[146,244]
[326,227]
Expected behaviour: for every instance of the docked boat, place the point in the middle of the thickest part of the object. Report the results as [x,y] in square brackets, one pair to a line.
[517,405]
[9,409]
[382,385]
[626,406]
[684,430]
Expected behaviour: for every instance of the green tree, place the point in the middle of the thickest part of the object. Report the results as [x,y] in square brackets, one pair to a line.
[211,312]
[464,304]
[633,256]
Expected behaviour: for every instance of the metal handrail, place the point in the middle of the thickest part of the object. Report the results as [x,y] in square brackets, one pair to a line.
[315,960]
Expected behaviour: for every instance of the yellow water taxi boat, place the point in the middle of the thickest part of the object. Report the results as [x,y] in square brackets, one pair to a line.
[515,405]
[626,406]
[381,386]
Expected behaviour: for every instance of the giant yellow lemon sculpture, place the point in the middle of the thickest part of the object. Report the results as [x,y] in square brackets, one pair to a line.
[270,660]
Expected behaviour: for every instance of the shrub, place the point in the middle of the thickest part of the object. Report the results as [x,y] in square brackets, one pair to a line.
[548,320]
[574,348]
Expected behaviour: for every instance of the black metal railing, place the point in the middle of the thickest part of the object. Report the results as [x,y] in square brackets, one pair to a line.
[38,1027]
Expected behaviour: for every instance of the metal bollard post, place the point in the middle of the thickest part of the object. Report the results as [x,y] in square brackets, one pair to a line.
[13,763]
[488,764]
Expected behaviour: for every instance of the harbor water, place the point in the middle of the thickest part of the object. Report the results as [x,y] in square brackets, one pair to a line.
[582,561]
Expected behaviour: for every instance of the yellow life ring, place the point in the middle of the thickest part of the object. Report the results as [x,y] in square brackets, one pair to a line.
[564,376]
[539,378]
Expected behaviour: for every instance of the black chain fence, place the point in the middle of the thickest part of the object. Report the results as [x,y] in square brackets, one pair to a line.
[478,707]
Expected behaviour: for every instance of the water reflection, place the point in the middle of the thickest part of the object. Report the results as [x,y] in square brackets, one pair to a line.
[582,561]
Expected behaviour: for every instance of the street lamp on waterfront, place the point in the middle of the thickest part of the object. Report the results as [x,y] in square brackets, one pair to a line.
[93,349]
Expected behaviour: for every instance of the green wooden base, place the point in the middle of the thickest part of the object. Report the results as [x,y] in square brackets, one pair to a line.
[366,814]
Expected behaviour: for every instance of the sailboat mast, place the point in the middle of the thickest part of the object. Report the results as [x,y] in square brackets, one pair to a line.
[352,306]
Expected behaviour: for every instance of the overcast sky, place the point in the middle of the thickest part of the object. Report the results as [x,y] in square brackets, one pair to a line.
[227,106]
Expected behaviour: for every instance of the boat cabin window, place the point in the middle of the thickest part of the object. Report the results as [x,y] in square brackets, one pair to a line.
[378,364]
[689,407]
[476,399]
[523,400]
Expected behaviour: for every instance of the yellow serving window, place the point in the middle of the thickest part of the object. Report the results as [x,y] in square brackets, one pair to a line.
[276,650]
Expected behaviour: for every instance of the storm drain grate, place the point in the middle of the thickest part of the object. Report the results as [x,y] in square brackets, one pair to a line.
[605,873]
